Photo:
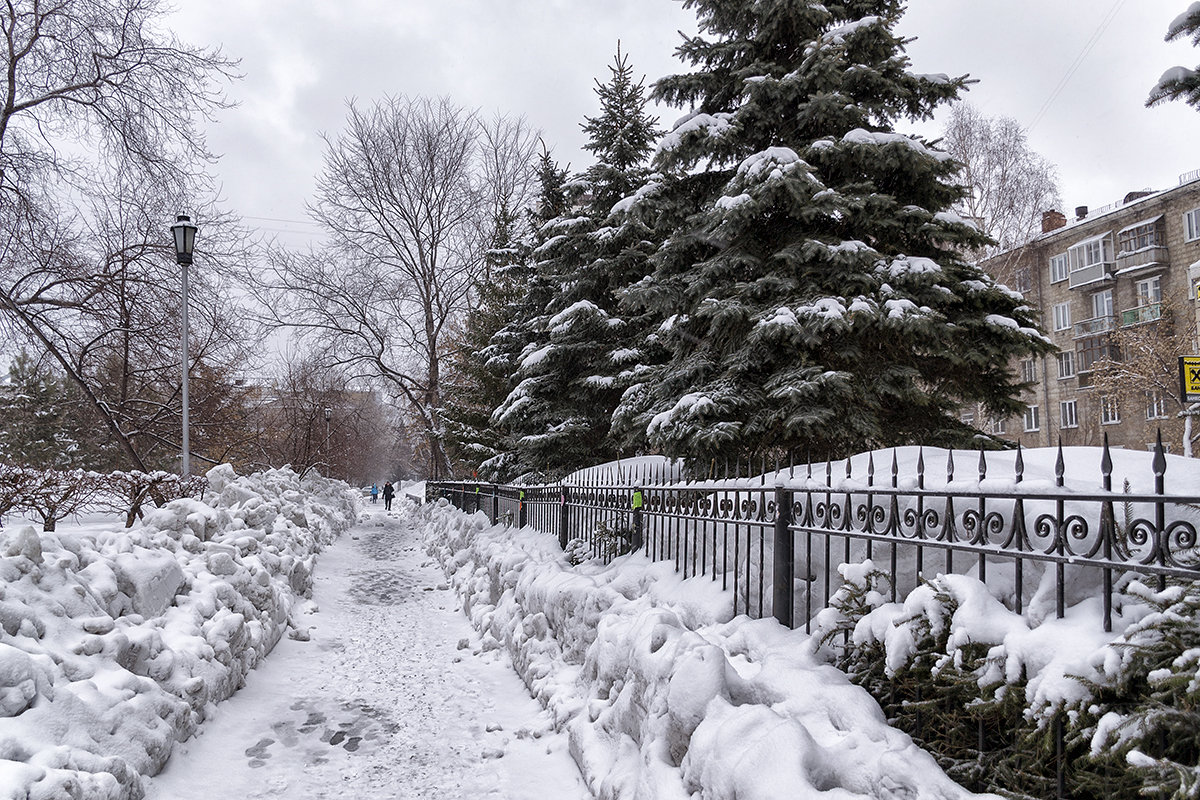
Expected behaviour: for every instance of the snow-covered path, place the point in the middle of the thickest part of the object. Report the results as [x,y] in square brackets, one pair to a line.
[392,697]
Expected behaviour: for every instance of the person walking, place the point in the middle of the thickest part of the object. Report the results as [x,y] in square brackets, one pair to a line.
[388,494]
[374,493]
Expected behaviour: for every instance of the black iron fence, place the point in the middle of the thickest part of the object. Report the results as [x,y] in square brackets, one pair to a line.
[776,540]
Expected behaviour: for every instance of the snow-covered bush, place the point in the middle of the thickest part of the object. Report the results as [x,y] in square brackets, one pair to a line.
[663,692]
[115,645]
[988,692]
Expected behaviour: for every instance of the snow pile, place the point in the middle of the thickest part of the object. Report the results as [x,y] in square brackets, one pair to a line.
[115,644]
[663,694]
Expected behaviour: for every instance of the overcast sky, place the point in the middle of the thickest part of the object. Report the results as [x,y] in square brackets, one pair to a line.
[1074,72]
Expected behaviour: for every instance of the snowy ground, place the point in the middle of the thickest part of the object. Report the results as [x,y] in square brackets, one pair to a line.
[664,694]
[391,697]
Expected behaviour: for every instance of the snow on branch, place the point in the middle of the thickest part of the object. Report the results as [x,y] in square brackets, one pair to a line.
[862,136]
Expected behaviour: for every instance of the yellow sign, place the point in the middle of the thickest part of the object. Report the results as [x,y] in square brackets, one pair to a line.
[1189,378]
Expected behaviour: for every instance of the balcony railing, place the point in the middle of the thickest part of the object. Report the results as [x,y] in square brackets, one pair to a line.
[1100,271]
[1142,258]
[1091,327]
[1146,313]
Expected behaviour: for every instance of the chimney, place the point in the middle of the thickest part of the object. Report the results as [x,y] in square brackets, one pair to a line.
[1080,212]
[1052,220]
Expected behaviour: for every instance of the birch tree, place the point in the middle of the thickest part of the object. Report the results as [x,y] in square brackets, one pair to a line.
[1010,185]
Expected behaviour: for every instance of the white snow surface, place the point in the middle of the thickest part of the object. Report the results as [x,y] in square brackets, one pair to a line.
[118,643]
[388,693]
[662,692]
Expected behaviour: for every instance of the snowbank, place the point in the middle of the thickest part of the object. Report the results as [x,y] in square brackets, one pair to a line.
[663,693]
[115,645]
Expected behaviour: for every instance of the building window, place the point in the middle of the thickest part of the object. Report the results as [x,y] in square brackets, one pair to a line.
[1139,237]
[1191,225]
[1156,405]
[1060,267]
[1091,253]
[1066,364]
[1149,291]
[1029,370]
[968,418]
[1110,410]
[1023,280]
[1031,419]
[1102,304]
[1062,316]
[997,426]
[1067,417]
[1092,349]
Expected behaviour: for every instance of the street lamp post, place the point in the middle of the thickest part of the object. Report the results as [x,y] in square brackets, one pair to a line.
[328,455]
[184,233]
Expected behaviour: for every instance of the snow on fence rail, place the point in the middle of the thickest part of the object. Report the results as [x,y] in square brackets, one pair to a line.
[1043,529]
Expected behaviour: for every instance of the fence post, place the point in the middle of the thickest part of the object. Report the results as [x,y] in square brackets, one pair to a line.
[562,520]
[783,574]
[495,504]
[638,538]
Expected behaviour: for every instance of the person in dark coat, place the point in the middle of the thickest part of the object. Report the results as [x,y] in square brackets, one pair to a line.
[388,493]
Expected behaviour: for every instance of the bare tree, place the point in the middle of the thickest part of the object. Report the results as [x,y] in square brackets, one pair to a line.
[101,298]
[1009,184]
[98,116]
[316,418]
[1146,373]
[406,198]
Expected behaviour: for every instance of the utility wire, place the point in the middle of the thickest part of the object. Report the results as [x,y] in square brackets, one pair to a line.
[1088,46]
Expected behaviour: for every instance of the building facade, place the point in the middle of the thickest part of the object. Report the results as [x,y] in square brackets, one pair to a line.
[1117,293]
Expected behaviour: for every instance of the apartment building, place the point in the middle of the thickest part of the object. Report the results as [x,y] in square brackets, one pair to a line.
[1121,282]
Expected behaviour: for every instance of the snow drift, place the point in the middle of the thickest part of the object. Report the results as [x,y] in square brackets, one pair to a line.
[115,644]
[663,693]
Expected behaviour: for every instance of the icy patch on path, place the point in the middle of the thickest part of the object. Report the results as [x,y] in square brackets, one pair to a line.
[392,696]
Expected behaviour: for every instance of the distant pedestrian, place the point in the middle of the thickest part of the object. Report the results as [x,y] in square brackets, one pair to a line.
[374,492]
[388,494]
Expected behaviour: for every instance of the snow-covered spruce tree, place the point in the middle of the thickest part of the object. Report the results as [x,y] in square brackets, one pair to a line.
[507,346]
[478,377]
[1180,83]
[41,418]
[1141,718]
[568,375]
[815,299]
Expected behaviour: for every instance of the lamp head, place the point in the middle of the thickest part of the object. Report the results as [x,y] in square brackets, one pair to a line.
[185,239]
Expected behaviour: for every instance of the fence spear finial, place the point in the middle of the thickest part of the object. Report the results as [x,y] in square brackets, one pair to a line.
[1059,465]
[1106,465]
[1020,465]
[1160,460]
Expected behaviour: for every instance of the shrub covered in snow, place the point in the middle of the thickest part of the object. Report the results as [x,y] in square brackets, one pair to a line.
[115,645]
[987,690]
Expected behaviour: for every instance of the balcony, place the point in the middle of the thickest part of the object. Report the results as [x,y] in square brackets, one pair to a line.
[1100,271]
[1146,313]
[1146,257]
[1097,325]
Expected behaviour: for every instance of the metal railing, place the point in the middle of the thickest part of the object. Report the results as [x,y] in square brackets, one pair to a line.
[776,541]
[1139,314]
